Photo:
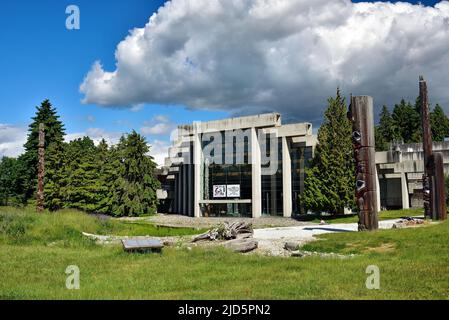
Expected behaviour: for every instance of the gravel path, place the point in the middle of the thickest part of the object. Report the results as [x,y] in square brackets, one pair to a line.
[172,220]
[272,240]
[307,232]
[272,233]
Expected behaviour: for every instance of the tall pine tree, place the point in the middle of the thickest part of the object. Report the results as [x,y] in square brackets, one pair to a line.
[386,131]
[82,175]
[55,176]
[136,185]
[329,185]
[439,124]
[54,133]
[407,121]
[107,163]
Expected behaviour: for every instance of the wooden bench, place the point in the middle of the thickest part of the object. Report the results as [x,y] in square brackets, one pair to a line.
[142,245]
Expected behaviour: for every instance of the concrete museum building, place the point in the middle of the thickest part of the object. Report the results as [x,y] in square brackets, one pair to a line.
[248,167]
[253,166]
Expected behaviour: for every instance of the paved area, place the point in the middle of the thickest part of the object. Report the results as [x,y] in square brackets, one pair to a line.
[272,240]
[307,232]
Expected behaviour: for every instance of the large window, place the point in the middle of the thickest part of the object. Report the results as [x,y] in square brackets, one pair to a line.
[232,172]
[272,187]
[300,157]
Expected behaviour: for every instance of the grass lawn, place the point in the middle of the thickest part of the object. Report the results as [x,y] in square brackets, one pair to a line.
[35,251]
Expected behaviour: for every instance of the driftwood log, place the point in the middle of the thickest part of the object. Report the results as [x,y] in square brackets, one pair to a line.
[227,231]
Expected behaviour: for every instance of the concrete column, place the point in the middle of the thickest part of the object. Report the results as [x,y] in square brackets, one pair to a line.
[377,191]
[179,192]
[404,189]
[175,194]
[256,170]
[197,158]
[189,190]
[286,178]
[185,186]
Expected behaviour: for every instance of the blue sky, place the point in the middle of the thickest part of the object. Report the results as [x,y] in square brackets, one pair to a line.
[41,59]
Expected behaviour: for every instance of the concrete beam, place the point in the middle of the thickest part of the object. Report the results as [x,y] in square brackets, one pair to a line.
[404,191]
[262,120]
[296,129]
[197,159]
[286,178]
[256,170]
[225,201]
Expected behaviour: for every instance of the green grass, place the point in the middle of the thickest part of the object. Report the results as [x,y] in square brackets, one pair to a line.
[414,264]
[25,226]
[383,215]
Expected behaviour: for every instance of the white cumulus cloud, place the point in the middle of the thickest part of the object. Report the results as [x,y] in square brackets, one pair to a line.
[249,56]
[159,125]
[159,151]
[12,139]
[96,134]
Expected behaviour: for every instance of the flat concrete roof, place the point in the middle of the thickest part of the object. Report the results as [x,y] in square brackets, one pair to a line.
[256,121]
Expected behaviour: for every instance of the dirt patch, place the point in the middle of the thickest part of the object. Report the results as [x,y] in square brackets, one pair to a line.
[383,248]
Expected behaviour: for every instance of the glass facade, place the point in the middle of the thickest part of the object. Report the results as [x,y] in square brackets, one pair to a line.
[233,170]
[209,170]
[225,169]
[300,158]
[272,188]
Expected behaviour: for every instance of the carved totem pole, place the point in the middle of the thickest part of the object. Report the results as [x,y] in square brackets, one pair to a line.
[361,115]
[41,169]
[434,193]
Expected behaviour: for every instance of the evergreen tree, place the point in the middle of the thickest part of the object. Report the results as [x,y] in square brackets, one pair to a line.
[386,131]
[381,143]
[439,124]
[11,182]
[407,121]
[55,176]
[107,163]
[329,185]
[54,133]
[135,188]
[81,176]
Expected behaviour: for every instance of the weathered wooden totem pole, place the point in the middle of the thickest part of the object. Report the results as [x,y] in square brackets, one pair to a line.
[361,115]
[41,169]
[434,193]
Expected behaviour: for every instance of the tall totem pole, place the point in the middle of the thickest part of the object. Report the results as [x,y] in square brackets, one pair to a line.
[41,169]
[361,115]
[434,193]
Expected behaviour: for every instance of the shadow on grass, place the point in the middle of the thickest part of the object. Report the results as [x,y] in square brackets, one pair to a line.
[327,229]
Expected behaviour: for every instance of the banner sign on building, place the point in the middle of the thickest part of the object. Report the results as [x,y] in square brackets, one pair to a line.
[233,191]
[219,191]
[226,191]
